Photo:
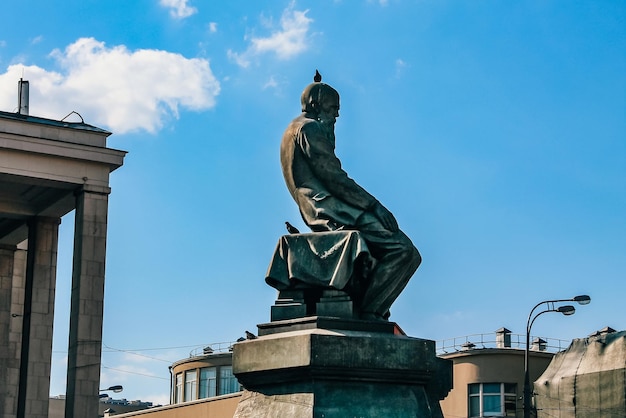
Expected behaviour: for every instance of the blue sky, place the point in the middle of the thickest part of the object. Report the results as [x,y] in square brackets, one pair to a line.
[494,131]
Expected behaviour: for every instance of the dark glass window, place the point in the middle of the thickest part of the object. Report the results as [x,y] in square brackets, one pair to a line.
[492,400]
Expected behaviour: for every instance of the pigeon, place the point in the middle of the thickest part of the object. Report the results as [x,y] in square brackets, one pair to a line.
[318,77]
[291,229]
[250,336]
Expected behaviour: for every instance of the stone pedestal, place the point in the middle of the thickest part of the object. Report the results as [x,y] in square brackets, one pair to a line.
[329,367]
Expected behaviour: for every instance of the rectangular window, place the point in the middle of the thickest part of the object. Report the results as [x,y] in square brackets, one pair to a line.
[208,382]
[191,382]
[178,394]
[492,405]
[510,399]
[492,400]
[228,381]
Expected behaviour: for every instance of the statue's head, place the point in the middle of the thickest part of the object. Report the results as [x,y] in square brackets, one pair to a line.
[317,93]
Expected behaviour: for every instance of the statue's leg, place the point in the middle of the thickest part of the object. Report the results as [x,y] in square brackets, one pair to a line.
[397,260]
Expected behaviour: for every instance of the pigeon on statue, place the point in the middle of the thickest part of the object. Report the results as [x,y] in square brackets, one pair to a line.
[291,229]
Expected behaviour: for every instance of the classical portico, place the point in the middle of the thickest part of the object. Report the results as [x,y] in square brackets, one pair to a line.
[47,169]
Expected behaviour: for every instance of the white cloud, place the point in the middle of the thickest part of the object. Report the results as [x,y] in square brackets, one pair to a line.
[178,8]
[36,40]
[287,42]
[212,27]
[115,88]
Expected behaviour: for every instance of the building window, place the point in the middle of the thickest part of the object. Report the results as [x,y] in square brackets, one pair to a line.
[228,381]
[208,382]
[178,394]
[191,382]
[492,399]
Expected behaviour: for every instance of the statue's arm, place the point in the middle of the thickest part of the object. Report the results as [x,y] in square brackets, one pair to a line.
[386,218]
[326,166]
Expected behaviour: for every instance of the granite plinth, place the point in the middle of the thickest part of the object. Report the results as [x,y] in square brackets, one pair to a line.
[341,369]
[328,323]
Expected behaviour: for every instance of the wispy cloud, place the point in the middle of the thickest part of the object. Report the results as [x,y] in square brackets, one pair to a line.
[178,8]
[113,87]
[289,40]
[212,27]
[36,40]
[400,65]
[381,2]
[241,59]
[271,83]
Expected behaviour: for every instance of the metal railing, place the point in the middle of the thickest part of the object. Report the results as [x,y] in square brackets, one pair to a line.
[212,348]
[449,345]
[480,341]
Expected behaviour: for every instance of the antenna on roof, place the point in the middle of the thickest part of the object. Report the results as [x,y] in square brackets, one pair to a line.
[74,113]
[22,96]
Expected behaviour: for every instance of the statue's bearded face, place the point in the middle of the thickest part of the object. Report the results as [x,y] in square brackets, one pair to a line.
[329,109]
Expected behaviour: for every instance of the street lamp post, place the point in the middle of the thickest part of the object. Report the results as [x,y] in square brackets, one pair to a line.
[115,389]
[565,310]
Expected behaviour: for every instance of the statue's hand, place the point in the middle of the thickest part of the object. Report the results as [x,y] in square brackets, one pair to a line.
[386,218]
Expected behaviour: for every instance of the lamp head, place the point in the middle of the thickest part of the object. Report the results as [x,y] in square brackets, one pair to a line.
[566,310]
[582,299]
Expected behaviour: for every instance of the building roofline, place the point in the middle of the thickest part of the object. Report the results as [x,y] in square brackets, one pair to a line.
[52,122]
[492,351]
[202,357]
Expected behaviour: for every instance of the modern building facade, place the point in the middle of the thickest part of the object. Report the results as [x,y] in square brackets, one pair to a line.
[47,169]
[488,373]
[203,376]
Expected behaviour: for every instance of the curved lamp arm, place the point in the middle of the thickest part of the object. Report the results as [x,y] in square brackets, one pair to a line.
[580,299]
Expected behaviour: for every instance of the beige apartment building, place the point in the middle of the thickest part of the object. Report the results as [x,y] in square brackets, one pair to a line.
[201,376]
[488,372]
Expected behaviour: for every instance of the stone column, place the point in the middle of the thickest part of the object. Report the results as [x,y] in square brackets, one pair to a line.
[85,341]
[38,318]
[8,387]
[11,368]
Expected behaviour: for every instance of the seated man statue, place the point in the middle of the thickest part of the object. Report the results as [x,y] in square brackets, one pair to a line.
[329,200]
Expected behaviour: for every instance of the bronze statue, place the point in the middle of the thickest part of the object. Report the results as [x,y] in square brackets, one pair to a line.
[329,200]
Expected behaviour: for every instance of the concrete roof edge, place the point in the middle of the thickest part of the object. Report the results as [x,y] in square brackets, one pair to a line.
[53,122]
